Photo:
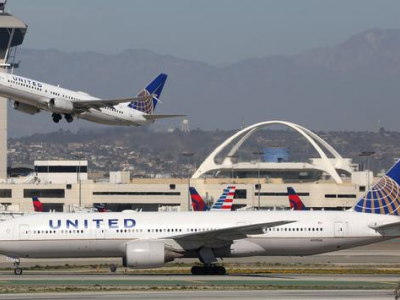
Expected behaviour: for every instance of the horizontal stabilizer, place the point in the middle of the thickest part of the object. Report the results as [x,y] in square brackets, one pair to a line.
[156,117]
[385,226]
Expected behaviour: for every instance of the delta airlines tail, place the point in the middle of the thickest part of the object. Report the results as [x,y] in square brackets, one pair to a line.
[198,203]
[294,200]
[37,205]
[150,239]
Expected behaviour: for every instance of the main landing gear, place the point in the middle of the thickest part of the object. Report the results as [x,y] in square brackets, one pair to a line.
[113,268]
[56,118]
[69,118]
[17,269]
[208,270]
[207,257]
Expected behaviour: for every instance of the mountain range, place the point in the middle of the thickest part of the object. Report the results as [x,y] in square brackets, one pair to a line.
[351,86]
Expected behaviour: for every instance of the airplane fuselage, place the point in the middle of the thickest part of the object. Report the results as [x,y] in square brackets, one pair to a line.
[37,94]
[56,235]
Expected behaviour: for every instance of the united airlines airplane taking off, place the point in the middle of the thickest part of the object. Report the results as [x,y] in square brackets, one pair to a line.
[31,97]
[149,240]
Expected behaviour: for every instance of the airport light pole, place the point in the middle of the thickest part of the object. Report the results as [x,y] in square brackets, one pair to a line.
[78,174]
[189,156]
[232,156]
[367,155]
[259,154]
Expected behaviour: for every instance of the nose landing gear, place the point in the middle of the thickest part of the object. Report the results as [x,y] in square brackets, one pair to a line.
[17,269]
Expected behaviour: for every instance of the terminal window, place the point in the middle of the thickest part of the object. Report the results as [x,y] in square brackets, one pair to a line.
[61,169]
[240,194]
[44,193]
[274,194]
[5,193]
[136,193]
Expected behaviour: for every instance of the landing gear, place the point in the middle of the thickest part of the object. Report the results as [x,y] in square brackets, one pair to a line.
[208,270]
[18,269]
[56,118]
[69,118]
[113,268]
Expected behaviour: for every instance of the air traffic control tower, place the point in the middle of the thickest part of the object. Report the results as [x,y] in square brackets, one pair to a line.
[12,33]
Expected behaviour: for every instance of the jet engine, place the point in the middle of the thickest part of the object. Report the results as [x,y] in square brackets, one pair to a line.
[143,255]
[25,108]
[61,106]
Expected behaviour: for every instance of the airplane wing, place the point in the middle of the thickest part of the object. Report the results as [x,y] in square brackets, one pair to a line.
[156,117]
[97,104]
[226,234]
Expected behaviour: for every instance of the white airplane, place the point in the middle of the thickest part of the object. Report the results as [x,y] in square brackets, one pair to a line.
[149,240]
[31,97]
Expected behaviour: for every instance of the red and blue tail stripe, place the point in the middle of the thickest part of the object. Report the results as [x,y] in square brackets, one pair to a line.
[225,202]
[198,203]
[37,205]
[295,201]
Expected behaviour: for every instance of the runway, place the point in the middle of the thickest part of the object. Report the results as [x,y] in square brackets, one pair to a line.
[216,295]
[260,281]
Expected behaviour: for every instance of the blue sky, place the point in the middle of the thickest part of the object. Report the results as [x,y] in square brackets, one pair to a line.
[214,31]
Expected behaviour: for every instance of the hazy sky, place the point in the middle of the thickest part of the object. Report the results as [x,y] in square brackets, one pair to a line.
[215,31]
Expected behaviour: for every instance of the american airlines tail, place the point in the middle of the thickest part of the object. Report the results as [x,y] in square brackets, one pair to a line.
[226,200]
[294,200]
[154,89]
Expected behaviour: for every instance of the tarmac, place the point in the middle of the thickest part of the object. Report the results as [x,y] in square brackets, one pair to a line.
[177,286]
[216,295]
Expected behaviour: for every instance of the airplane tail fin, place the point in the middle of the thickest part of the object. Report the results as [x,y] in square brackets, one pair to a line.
[37,205]
[198,203]
[384,197]
[294,200]
[226,200]
[154,88]
[100,207]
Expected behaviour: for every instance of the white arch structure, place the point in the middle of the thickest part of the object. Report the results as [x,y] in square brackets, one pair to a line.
[325,164]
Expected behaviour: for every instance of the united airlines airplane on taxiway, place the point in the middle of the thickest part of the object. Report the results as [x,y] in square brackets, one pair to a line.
[31,97]
[149,240]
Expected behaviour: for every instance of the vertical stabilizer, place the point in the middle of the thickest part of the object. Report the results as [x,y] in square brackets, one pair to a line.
[384,197]
[154,88]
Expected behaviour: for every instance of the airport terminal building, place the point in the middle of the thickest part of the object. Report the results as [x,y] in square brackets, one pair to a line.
[328,181]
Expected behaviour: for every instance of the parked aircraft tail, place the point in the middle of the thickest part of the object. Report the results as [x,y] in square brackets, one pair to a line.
[294,200]
[37,205]
[384,197]
[198,203]
[226,200]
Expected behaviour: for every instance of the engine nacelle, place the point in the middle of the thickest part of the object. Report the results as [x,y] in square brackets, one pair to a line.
[25,108]
[144,255]
[60,106]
